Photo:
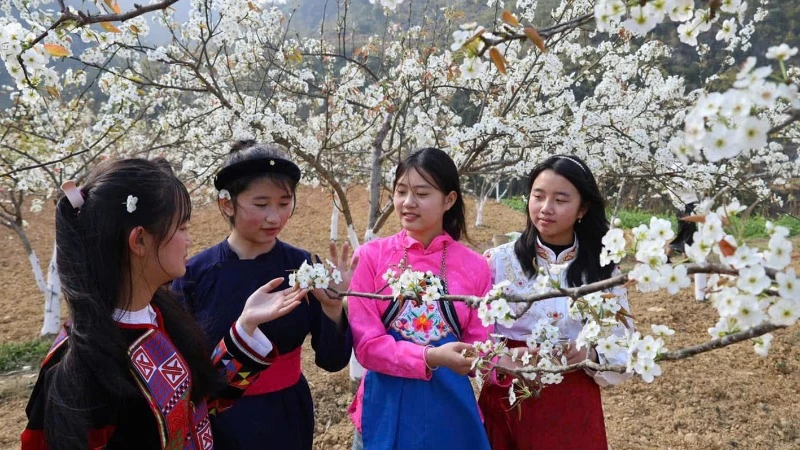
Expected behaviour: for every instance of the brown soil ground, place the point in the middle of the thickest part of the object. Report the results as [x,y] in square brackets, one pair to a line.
[720,400]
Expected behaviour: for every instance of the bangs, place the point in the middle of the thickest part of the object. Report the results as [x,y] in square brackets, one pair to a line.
[183,202]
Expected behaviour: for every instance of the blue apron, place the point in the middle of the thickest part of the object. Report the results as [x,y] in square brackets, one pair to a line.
[410,414]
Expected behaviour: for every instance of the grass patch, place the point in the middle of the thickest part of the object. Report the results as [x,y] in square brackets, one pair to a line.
[14,355]
[754,227]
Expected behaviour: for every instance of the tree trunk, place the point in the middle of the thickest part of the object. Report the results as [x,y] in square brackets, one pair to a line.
[480,202]
[52,299]
[375,177]
[335,213]
[51,289]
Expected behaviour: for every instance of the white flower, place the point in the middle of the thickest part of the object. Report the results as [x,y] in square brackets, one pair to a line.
[728,301]
[473,67]
[642,19]
[130,203]
[687,33]
[674,278]
[762,344]
[730,6]
[512,394]
[788,287]
[648,347]
[781,52]
[731,209]
[662,330]
[724,327]
[749,313]
[224,194]
[647,368]
[752,132]
[660,229]
[647,278]
[727,30]
[682,10]
[779,254]
[588,335]
[753,280]
[651,253]
[640,232]
[720,144]
[785,312]
[459,39]
[551,378]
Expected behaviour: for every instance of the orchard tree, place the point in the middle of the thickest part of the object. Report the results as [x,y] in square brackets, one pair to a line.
[498,95]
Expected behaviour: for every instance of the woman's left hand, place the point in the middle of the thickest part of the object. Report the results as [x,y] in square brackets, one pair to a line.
[264,305]
[332,307]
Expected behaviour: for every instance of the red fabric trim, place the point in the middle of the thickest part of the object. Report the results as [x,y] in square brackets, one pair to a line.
[284,372]
[136,326]
[35,439]
[98,438]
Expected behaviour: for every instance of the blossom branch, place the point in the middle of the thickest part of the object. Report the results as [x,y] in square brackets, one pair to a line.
[675,355]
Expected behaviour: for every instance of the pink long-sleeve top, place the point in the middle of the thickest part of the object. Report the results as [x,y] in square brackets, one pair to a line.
[467,274]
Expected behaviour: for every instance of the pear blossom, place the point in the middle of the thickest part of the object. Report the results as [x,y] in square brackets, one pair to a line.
[763,344]
[753,280]
[781,52]
[727,31]
[662,330]
[750,313]
[642,19]
[674,278]
[788,285]
[785,312]
[473,67]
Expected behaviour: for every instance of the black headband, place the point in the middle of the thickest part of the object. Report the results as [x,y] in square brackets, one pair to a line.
[256,166]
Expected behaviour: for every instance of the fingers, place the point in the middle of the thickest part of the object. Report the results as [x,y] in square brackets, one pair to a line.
[288,307]
[345,253]
[461,346]
[271,285]
[333,250]
[354,263]
[295,296]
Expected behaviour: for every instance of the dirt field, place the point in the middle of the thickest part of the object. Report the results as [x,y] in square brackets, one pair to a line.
[720,400]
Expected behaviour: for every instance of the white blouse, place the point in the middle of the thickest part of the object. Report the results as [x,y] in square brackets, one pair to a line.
[505,266]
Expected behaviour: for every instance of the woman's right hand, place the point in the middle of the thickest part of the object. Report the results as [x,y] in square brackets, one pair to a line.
[264,305]
[450,355]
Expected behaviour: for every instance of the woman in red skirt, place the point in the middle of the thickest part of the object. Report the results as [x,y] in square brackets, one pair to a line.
[566,222]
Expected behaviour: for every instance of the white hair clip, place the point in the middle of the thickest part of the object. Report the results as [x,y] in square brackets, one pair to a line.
[130,204]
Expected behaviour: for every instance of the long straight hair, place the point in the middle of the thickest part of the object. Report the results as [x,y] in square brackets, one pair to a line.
[590,230]
[438,169]
[94,267]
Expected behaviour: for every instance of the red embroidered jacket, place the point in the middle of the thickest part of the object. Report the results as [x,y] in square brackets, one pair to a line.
[162,416]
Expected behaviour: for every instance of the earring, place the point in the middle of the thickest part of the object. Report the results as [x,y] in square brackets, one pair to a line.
[579,219]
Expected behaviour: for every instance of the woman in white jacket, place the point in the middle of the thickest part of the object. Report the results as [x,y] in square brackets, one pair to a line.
[565,225]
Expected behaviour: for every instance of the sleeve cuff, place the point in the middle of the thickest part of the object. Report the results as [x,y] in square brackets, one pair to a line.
[258,342]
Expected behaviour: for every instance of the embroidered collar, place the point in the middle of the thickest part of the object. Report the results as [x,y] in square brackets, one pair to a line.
[438,243]
[145,316]
[550,257]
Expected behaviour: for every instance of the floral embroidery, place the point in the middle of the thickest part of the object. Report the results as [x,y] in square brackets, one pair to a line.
[421,323]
